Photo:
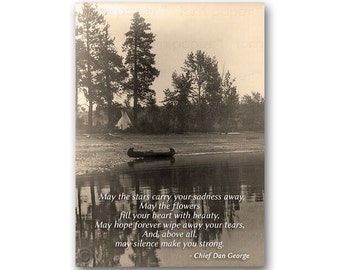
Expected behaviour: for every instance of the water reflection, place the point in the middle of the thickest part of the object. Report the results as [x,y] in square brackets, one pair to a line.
[170,160]
[191,175]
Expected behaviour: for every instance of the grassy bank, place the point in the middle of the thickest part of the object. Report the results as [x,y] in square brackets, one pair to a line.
[100,152]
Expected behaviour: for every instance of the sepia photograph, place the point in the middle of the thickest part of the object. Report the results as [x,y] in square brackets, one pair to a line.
[170,149]
[170,134]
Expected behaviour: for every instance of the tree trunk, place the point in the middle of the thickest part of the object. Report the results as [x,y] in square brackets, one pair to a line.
[135,83]
[111,123]
[90,94]
[89,77]
[109,97]
[201,124]
[90,121]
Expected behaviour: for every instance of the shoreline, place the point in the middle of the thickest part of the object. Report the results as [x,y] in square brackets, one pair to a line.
[99,153]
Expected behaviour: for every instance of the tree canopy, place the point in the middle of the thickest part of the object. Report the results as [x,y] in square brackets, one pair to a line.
[111,74]
[90,25]
[141,62]
[201,99]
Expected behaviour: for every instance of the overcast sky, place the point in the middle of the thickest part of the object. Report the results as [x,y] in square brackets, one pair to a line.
[233,33]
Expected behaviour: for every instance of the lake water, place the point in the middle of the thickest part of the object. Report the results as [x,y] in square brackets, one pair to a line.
[219,174]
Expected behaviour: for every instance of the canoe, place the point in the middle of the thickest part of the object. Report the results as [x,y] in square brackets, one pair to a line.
[150,154]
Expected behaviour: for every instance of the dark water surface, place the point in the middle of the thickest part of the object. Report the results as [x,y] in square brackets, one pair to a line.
[218,174]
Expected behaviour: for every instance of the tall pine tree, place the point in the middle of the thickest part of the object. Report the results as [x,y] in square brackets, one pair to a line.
[110,76]
[90,25]
[140,61]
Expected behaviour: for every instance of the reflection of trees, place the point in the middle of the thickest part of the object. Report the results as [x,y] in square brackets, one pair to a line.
[233,173]
[217,178]
[143,256]
[99,241]
[252,176]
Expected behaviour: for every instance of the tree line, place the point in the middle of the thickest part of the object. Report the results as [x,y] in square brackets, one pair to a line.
[202,99]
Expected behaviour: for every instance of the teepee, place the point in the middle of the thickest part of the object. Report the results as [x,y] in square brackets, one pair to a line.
[124,121]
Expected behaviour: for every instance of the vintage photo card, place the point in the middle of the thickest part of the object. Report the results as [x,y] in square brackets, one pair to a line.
[169,134]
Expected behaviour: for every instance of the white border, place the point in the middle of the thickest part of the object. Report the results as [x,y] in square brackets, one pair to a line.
[302,134]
